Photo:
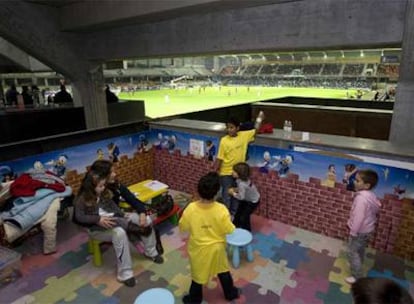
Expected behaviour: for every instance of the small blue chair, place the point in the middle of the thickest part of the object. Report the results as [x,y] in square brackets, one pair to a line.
[155,295]
[239,240]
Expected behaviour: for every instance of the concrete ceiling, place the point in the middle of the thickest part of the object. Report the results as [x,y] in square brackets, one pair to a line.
[89,16]
[85,16]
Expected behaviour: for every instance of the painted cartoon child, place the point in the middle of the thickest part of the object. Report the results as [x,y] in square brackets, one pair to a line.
[210,150]
[143,144]
[158,143]
[60,166]
[171,142]
[330,176]
[266,165]
[113,152]
[100,154]
[284,165]
[349,176]
[6,174]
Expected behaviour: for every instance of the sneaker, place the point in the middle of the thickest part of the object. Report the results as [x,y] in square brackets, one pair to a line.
[158,259]
[130,282]
[350,280]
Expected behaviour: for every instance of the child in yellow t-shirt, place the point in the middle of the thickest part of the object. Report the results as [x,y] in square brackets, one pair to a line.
[208,223]
[233,150]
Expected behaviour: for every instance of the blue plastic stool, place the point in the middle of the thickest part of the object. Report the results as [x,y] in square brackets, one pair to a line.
[240,239]
[155,295]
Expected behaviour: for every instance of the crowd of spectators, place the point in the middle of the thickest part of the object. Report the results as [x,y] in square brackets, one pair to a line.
[298,82]
[32,96]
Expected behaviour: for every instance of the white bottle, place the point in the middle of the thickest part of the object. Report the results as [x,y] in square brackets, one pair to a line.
[289,126]
[285,125]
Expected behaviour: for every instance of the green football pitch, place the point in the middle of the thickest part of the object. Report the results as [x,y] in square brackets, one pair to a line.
[168,102]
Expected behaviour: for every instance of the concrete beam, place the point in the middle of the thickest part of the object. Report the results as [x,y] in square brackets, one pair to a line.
[305,25]
[14,54]
[83,16]
[34,29]
[20,58]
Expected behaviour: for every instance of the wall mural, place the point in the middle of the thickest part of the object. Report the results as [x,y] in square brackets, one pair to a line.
[324,165]
[78,157]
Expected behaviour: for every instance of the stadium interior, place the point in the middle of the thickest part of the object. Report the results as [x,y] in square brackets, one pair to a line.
[368,70]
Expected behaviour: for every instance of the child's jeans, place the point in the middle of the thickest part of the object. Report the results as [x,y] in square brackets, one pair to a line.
[226,182]
[356,252]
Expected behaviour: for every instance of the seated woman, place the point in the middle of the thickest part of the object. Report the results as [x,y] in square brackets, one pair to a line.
[106,168]
[95,210]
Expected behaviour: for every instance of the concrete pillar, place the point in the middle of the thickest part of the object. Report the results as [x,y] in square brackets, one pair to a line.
[216,64]
[402,125]
[89,92]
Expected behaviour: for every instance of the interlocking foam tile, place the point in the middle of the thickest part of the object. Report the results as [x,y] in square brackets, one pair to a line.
[182,283]
[385,262]
[213,283]
[306,237]
[68,276]
[213,293]
[267,226]
[341,268]
[109,281]
[333,246]
[74,259]
[173,241]
[34,262]
[35,279]
[63,288]
[251,294]
[166,272]
[292,253]
[247,271]
[74,243]
[16,290]
[183,251]
[27,299]
[334,295]
[339,272]
[144,281]
[266,244]
[306,288]
[273,277]
[87,292]
[319,264]
[389,275]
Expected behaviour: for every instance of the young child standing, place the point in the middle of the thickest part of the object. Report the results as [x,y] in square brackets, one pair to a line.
[247,195]
[232,150]
[362,220]
[208,222]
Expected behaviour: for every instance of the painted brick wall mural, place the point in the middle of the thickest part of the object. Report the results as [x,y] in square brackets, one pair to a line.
[305,204]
